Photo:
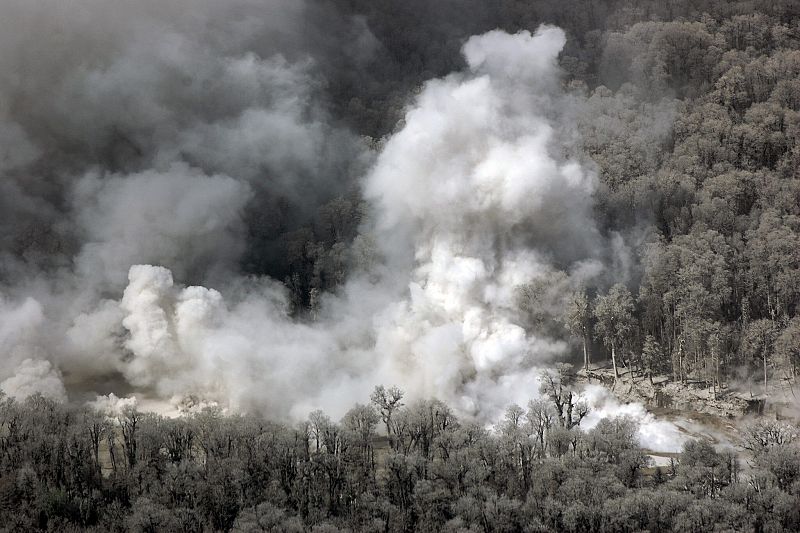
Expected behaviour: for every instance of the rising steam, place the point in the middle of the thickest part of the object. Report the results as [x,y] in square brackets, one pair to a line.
[481,188]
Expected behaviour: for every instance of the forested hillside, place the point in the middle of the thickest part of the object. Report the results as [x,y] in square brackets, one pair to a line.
[66,469]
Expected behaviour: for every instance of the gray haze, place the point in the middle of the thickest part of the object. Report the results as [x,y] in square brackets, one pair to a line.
[146,141]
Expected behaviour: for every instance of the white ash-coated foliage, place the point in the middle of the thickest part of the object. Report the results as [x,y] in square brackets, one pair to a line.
[78,469]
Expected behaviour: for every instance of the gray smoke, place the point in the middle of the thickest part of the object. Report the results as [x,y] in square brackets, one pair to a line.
[139,141]
[107,104]
[150,132]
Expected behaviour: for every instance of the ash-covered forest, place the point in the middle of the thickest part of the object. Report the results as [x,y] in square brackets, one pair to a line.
[379,265]
[536,470]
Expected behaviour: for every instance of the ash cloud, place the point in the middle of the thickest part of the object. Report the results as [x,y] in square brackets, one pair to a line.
[475,188]
[156,141]
[100,92]
[463,203]
[151,132]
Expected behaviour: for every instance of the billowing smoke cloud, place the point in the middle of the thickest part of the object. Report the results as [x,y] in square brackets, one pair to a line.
[112,112]
[474,197]
[654,434]
[166,132]
[144,155]
[179,217]
[21,327]
[471,198]
[35,377]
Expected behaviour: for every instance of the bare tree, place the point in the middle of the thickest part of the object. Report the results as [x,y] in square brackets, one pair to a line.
[577,319]
[387,401]
[569,408]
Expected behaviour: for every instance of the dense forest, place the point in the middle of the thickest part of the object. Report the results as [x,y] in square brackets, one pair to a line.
[67,469]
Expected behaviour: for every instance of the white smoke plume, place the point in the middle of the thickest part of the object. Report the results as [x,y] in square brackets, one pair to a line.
[112,405]
[654,434]
[35,377]
[471,198]
[149,132]
[23,368]
[179,217]
[146,154]
[476,191]
[124,114]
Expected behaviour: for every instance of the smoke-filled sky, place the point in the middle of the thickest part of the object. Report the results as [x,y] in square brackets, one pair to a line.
[153,152]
